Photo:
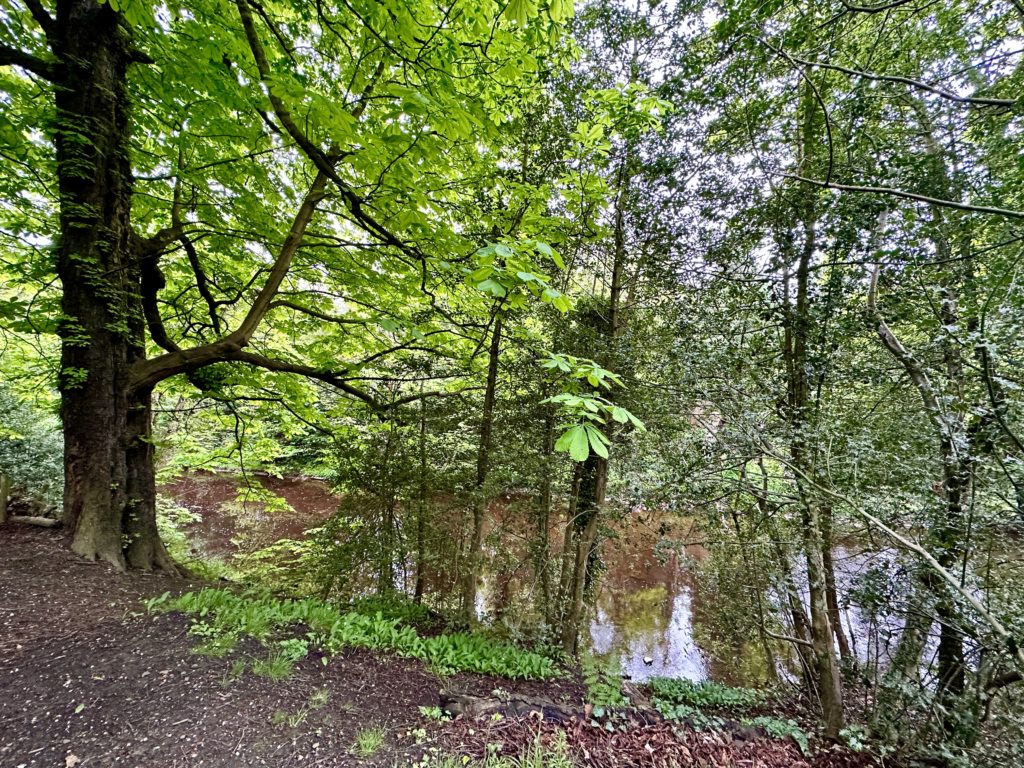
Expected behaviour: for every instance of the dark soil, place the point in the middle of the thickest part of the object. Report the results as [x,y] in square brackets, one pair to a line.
[89,678]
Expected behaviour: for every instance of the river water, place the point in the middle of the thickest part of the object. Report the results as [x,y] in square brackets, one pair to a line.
[650,614]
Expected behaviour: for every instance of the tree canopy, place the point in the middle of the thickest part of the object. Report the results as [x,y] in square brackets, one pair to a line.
[753,264]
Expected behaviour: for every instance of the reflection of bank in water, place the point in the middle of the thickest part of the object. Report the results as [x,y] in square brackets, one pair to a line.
[648,626]
[650,616]
[648,602]
[643,616]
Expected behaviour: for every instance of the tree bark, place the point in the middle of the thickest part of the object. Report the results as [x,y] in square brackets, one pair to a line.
[109,486]
[421,506]
[5,490]
[831,593]
[591,497]
[483,456]
[541,544]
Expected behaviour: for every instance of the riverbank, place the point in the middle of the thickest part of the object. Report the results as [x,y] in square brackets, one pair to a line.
[88,677]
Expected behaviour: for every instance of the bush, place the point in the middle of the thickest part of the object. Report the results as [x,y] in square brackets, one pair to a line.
[31,451]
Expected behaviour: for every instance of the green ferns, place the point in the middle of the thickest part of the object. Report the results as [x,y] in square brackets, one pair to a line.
[222,615]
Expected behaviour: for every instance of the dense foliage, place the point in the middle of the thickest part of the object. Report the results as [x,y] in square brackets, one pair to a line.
[514,276]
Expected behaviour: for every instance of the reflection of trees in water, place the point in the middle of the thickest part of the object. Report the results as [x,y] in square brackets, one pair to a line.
[643,610]
[725,620]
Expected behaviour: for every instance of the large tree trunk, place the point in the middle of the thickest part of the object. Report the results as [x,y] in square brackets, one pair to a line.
[109,489]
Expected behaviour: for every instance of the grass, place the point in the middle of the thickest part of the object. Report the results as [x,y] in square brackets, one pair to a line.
[536,756]
[368,742]
[317,700]
[277,666]
[235,673]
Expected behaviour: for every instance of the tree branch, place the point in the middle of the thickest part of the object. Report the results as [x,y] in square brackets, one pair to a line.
[1016,649]
[147,373]
[202,283]
[980,101]
[283,263]
[12,57]
[1008,213]
[323,162]
[328,377]
[317,314]
[43,19]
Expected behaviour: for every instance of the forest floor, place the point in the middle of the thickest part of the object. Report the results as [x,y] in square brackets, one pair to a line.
[89,678]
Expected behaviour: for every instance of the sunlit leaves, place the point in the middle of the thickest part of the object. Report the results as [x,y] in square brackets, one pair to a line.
[509,271]
[584,411]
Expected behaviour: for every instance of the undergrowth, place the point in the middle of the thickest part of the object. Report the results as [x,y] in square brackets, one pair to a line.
[705,705]
[222,617]
[674,692]
[537,755]
[604,683]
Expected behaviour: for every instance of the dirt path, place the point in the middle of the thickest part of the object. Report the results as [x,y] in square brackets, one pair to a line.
[87,679]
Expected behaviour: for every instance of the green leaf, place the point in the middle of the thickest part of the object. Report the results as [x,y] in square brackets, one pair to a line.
[597,441]
[521,10]
[575,442]
[492,287]
[481,274]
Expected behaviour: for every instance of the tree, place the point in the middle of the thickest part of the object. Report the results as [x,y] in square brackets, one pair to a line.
[131,98]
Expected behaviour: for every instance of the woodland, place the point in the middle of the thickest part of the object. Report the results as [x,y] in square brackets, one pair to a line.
[521,282]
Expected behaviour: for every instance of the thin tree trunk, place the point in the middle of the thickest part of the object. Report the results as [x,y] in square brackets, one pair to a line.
[796,338]
[568,546]
[831,594]
[591,497]
[482,468]
[542,545]
[421,505]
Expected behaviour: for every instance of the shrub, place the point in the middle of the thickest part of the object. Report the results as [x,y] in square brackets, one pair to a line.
[31,451]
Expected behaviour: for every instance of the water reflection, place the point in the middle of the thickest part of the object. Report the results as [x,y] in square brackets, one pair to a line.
[649,613]
[650,632]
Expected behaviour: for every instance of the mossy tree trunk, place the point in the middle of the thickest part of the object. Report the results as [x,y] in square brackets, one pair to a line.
[109,489]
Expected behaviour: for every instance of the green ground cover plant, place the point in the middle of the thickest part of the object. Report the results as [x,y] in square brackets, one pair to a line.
[222,617]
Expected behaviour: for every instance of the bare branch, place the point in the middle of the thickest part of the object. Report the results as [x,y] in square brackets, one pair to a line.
[980,101]
[317,314]
[1006,212]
